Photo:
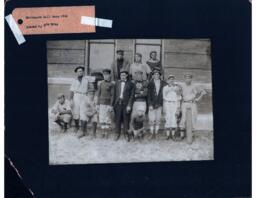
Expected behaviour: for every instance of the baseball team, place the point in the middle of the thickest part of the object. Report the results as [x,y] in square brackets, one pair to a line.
[129,96]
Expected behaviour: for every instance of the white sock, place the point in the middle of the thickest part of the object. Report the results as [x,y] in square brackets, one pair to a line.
[157,128]
[152,129]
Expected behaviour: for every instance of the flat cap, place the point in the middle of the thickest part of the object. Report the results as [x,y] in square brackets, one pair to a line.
[77,68]
[171,76]
[120,51]
[60,95]
[157,70]
[106,71]
[187,75]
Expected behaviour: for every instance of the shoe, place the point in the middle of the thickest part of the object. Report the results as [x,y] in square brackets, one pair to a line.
[62,130]
[93,136]
[151,137]
[182,135]
[127,137]
[117,137]
[82,135]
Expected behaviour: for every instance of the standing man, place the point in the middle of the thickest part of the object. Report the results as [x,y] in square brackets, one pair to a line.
[191,95]
[122,103]
[140,93]
[104,103]
[78,91]
[119,64]
[139,66]
[154,62]
[155,101]
[172,102]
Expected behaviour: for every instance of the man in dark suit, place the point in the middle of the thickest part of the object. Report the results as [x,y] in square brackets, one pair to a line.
[118,65]
[155,101]
[122,103]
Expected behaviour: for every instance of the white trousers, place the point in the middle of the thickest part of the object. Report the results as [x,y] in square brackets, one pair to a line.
[138,105]
[184,107]
[170,109]
[79,111]
[105,114]
[154,116]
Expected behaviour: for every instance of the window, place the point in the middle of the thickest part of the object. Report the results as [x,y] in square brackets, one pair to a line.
[101,55]
[145,46]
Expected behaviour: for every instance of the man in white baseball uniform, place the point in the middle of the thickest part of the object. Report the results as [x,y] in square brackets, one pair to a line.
[171,105]
[62,112]
[78,91]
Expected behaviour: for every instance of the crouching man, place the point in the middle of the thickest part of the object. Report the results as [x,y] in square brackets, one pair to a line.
[62,112]
[137,124]
[90,113]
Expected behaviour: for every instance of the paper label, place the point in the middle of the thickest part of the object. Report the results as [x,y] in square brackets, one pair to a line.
[53,20]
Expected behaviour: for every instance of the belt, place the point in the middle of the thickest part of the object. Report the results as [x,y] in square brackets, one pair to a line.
[77,92]
[170,101]
[189,101]
[140,100]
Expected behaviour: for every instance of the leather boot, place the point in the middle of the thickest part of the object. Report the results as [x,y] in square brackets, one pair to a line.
[152,136]
[84,129]
[182,133]
[65,127]
[168,134]
[117,136]
[127,137]
[76,126]
[60,124]
[94,128]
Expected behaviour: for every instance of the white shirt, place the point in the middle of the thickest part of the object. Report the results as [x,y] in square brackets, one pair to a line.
[145,69]
[190,92]
[58,107]
[157,84]
[171,93]
[122,90]
[79,87]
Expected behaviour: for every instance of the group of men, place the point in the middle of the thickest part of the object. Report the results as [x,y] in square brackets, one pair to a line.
[132,94]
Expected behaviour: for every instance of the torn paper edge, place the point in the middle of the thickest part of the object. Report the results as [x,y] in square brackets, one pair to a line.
[19,175]
[15,29]
[85,20]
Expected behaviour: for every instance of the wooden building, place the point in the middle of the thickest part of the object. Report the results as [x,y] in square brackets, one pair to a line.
[178,56]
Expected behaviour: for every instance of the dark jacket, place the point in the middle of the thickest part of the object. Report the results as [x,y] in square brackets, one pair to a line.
[154,99]
[127,94]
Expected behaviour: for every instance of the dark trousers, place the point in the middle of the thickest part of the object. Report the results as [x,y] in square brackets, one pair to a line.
[121,116]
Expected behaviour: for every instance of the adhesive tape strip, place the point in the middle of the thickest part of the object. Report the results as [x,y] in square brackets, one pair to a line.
[96,21]
[15,29]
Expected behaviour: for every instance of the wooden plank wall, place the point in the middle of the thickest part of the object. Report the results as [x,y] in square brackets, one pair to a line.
[64,56]
[128,46]
[188,56]
[179,56]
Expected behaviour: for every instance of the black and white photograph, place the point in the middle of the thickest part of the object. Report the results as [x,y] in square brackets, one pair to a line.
[129,100]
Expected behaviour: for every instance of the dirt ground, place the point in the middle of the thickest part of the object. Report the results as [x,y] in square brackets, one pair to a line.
[67,148]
